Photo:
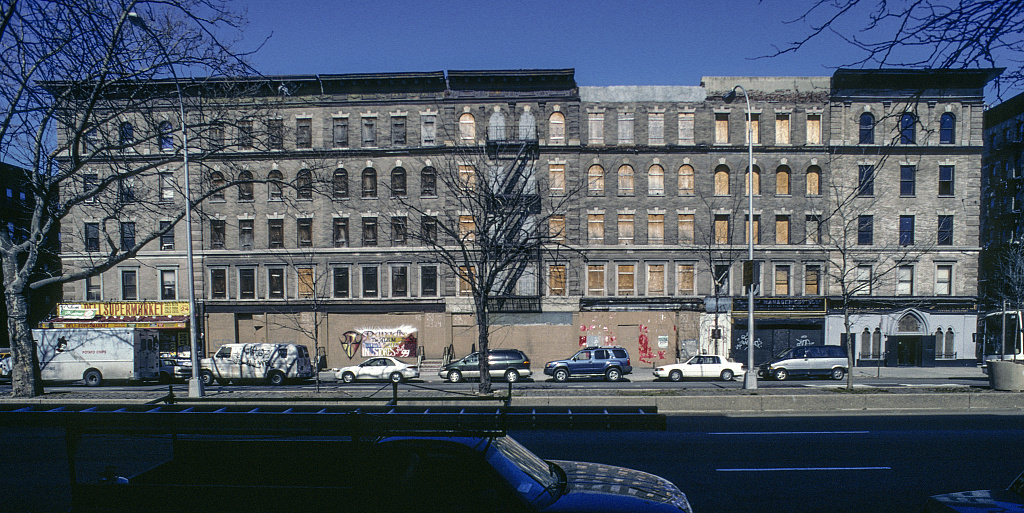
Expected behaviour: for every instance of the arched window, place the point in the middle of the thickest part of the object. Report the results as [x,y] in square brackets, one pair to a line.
[166,135]
[782,181]
[556,129]
[908,129]
[656,181]
[722,180]
[814,181]
[686,183]
[274,190]
[339,184]
[398,185]
[626,180]
[304,184]
[245,186]
[428,182]
[757,182]
[126,134]
[217,184]
[947,128]
[369,183]
[527,126]
[867,128]
[909,323]
[595,180]
[947,348]
[496,126]
[865,344]
[467,127]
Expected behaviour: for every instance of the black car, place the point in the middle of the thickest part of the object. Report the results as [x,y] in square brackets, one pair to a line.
[507,364]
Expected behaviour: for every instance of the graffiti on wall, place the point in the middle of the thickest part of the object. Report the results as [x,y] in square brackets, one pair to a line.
[595,335]
[400,342]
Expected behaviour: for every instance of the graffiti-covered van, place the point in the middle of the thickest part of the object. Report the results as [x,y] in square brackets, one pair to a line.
[270,363]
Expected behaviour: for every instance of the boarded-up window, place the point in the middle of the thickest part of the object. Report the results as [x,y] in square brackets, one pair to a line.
[753,129]
[465,285]
[722,128]
[595,128]
[686,128]
[782,280]
[625,229]
[303,133]
[595,228]
[722,181]
[467,177]
[814,181]
[306,282]
[655,228]
[782,229]
[595,280]
[556,228]
[686,228]
[556,125]
[721,228]
[556,178]
[782,129]
[757,181]
[685,280]
[757,230]
[656,279]
[595,181]
[626,280]
[467,127]
[467,228]
[812,277]
[656,181]
[626,186]
[625,128]
[814,129]
[556,280]
[656,128]
[782,180]
[686,184]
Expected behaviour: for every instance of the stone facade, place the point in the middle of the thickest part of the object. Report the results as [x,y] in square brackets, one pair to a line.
[656,225]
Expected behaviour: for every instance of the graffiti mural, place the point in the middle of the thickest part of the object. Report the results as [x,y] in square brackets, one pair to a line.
[400,342]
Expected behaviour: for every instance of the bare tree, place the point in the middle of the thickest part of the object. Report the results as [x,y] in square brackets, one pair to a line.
[79,93]
[923,34]
[496,228]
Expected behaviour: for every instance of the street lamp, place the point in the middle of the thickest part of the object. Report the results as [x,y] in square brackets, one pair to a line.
[195,385]
[749,377]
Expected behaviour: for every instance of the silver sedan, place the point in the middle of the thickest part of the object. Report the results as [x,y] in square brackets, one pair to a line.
[380,368]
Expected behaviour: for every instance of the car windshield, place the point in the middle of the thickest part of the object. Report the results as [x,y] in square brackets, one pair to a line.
[527,461]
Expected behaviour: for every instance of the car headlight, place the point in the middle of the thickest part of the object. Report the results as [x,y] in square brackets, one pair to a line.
[659,369]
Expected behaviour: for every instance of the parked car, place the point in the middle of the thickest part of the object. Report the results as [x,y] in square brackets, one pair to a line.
[1008,500]
[174,370]
[704,366]
[508,364]
[5,366]
[379,368]
[610,362]
[806,361]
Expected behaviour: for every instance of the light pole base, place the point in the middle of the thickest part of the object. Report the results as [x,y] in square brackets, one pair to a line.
[195,387]
[750,380]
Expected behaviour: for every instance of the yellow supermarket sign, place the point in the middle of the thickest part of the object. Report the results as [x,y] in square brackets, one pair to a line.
[122,309]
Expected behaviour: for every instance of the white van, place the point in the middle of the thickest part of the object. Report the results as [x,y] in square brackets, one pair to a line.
[96,355]
[272,363]
[807,361]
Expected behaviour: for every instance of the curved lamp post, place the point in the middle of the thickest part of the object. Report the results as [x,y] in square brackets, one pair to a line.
[195,385]
[749,377]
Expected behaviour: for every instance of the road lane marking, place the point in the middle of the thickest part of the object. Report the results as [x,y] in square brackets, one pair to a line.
[798,469]
[761,433]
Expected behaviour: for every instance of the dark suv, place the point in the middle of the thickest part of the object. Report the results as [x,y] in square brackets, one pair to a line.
[610,362]
[507,364]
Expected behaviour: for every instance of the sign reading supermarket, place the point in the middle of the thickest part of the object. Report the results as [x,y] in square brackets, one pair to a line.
[122,309]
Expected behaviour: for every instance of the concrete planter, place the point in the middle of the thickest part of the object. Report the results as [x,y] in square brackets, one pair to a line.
[1006,375]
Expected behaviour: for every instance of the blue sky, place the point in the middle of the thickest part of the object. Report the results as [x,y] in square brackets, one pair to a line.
[607,42]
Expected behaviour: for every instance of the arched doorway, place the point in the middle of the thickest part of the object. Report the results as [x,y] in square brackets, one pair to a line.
[907,344]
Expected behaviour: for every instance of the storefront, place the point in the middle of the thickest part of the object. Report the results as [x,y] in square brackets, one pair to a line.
[779,324]
[169,317]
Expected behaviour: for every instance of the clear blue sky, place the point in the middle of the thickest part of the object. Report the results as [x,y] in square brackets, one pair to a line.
[607,42]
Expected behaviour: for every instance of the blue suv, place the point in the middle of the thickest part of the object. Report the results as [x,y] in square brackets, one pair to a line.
[610,362]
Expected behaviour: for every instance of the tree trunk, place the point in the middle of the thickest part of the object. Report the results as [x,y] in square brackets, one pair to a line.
[483,328]
[25,380]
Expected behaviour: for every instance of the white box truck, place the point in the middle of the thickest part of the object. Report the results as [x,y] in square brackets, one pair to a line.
[270,363]
[95,355]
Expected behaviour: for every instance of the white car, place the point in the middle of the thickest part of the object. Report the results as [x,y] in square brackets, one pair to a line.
[379,368]
[5,367]
[705,366]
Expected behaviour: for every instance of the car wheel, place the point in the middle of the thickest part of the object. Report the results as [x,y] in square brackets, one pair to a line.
[561,375]
[92,378]
[613,374]
[276,378]
[206,376]
[675,375]
[454,376]
[781,374]
[838,373]
[396,377]
[348,377]
[511,375]
[727,375]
